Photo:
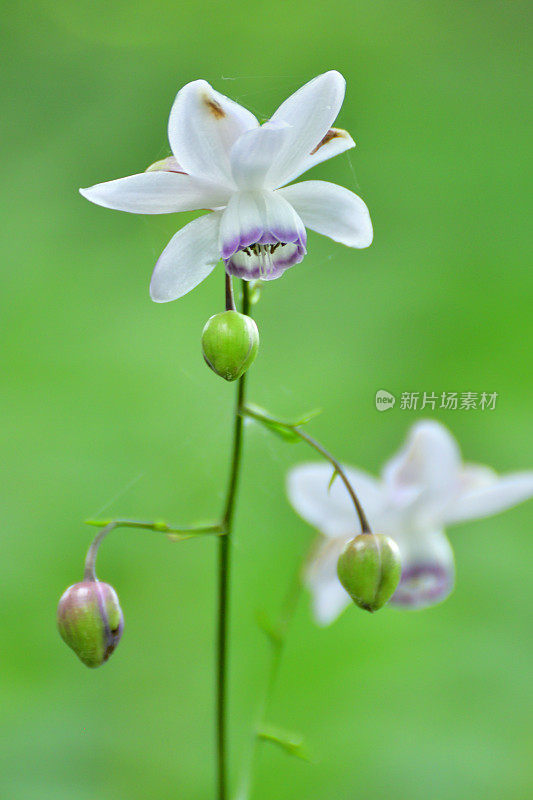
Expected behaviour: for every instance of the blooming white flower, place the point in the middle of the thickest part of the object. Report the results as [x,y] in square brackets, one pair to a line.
[423,488]
[224,161]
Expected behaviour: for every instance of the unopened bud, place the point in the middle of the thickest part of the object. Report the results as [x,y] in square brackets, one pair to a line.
[369,569]
[229,343]
[90,620]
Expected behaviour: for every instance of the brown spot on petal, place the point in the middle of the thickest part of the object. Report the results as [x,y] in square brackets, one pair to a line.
[215,108]
[333,133]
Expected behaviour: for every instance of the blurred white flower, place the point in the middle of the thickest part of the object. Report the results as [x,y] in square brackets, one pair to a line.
[224,161]
[422,489]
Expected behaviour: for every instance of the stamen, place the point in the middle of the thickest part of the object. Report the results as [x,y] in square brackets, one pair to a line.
[263,253]
[261,262]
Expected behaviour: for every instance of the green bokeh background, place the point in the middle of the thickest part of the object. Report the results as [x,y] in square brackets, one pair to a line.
[109,409]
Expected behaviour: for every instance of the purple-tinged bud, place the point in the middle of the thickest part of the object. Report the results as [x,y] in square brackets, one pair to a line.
[90,620]
[369,569]
[230,341]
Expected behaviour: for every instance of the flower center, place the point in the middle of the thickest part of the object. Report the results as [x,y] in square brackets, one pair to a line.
[263,256]
[261,248]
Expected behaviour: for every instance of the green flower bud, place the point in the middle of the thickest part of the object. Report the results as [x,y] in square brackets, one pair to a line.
[229,343]
[369,569]
[90,621]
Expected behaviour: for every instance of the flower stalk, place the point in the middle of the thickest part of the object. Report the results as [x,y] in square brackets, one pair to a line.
[230,299]
[224,564]
[296,431]
[89,572]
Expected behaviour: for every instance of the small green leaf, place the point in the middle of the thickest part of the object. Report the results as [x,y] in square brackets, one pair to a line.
[283,428]
[291,743]
[180,534]
[269,628]
[285,433]
[179,537]
[280,428]
[332,479]
[305,418]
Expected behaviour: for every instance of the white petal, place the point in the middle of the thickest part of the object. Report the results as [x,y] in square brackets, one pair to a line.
[157,193]
[331,509]
[282,221]
[428,570]
[329,601]
[203,127]
[489,496]
[255,153]
[329,597]
[310,112]
[475,476]
[190,256]
[426,470]
[331,210]
[258,216]
[335,141]
[242,223]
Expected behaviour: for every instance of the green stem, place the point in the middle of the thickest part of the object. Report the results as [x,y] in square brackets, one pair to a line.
[230,300]
[159,526]
[224,563]
[89,573]
[365,527]
[109,525]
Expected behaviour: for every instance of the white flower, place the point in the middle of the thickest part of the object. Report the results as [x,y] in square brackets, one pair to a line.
[224,161]
[423,488]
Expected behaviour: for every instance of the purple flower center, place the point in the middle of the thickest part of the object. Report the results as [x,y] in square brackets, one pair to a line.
[265,260]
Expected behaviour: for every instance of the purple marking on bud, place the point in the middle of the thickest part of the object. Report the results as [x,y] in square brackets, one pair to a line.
[111,636]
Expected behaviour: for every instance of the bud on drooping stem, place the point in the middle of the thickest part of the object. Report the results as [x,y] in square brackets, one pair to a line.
[369,569]
[90,620]
[230,341]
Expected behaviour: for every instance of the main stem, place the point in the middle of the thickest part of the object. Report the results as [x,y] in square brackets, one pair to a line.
[224,562]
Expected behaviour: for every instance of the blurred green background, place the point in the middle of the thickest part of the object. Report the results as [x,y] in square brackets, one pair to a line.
[109,409]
